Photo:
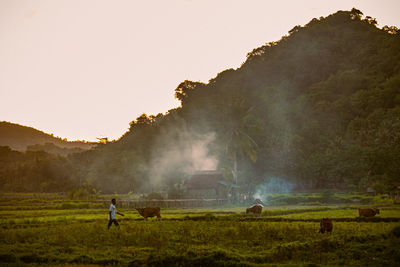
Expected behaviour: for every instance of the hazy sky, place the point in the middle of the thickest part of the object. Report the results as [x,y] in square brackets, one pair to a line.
[82,69]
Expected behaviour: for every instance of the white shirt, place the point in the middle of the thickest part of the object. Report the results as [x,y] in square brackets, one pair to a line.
[113,210]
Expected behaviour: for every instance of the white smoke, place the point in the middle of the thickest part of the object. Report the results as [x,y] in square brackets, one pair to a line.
[272,185]
[180,151]
[200,158]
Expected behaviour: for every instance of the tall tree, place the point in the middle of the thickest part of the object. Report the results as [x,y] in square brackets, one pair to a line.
[235,127]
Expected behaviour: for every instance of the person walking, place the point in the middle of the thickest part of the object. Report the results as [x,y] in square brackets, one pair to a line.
[112,211]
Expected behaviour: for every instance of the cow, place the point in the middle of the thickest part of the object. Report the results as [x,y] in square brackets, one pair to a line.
[149,212]
[367,212]
[256,209]
[325,225]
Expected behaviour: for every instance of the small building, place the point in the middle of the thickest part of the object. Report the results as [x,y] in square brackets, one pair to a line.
[205,184]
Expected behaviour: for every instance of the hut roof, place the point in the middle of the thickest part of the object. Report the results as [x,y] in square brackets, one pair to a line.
[205,180]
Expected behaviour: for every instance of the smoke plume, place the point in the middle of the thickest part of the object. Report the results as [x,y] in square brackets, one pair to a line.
[178,153]
[272,185]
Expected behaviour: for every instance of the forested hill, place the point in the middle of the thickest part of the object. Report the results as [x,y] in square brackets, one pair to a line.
[318,109]
[19,137]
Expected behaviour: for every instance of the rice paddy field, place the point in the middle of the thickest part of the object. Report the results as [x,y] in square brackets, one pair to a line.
[39,231]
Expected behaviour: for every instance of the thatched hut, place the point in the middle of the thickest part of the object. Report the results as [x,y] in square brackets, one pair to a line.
[206,184]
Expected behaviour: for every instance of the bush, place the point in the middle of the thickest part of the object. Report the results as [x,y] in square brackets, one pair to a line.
[327,196]
[396,231]
[175,193]
[69,205]
[78,193]
[85,191]
[383,200]
[154,195]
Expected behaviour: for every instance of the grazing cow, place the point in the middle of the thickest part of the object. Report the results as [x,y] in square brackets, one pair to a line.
[256,209]
[325,225]
[368,212]
[149,212]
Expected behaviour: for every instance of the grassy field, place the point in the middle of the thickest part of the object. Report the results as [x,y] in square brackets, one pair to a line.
[283,235]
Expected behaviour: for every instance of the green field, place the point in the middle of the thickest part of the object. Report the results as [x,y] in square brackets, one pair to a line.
[283,235]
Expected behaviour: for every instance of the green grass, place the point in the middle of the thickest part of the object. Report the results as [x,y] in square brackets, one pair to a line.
[189,241]
[220,236]
[339,213]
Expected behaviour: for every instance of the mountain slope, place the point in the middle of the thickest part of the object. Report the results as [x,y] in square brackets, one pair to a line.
[19,137]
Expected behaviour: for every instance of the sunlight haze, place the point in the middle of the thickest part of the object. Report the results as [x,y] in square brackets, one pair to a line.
[85,69]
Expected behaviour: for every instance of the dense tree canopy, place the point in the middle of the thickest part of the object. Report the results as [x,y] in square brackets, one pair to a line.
[33,171]
[320,108]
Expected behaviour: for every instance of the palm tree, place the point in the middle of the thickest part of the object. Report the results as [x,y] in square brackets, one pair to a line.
[236,126]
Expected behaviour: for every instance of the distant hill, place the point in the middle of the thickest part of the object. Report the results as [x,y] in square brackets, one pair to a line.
[19,137]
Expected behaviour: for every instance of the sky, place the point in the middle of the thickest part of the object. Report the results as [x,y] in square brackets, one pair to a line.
[84,69]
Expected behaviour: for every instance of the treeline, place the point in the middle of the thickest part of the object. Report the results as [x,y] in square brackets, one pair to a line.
[53,149]
[319,108]
[34,171]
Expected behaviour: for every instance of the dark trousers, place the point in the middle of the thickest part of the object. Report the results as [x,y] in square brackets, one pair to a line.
[110,222]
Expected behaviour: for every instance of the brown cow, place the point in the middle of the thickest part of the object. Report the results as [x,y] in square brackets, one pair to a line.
[325,225]
[256,209]
[149,212]
[368,212]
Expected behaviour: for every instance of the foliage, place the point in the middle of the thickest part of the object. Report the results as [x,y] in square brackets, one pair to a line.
[383,200]
[320,107]
[327,195]
[85,191]
[33,171]
[154,195]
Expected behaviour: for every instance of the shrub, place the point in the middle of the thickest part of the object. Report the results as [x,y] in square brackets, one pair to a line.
[383,200]
[327,196]
[154,195]
[396,231]
[78,193]
[71,205]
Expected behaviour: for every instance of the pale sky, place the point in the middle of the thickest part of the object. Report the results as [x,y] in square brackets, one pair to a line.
[83,69]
